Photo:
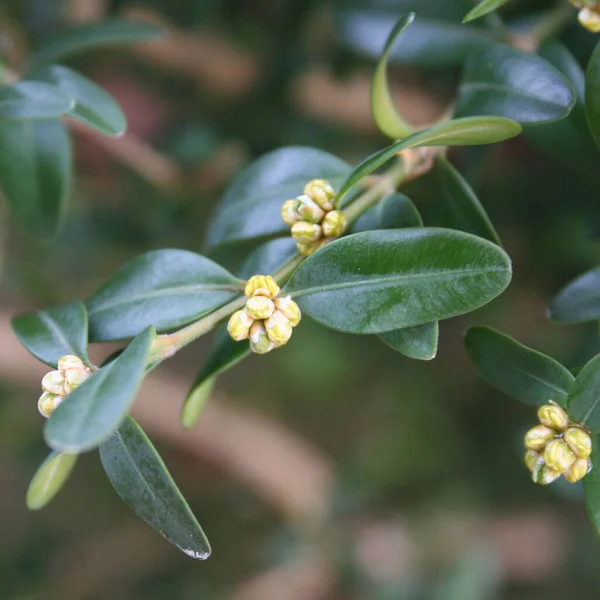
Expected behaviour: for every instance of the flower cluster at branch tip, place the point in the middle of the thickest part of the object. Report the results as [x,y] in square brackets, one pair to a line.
[557,447]
[589,13]
[266,320]
[313,218]
[56,385]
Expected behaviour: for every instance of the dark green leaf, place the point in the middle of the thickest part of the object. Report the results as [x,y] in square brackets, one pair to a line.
[251,206]
[584,396]
[385,113]
[579,301]
[94,35]
[483,8]
[269,257]
[33,100]
[94,410]
[55,332]
[380,281]
[512,83]
[163,288]
[141,479]
[515,369]
[471,131]
[591,486]
[35,173]
[93,105]
[592,93]
[418,342]
[397,211]
[49,479]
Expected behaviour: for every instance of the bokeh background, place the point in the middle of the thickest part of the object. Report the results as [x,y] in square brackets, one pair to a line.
[335,468]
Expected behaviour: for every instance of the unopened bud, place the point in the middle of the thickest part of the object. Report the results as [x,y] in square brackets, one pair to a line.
[334,224]
[308,249]
[532,459]
[590,19]
[537,438]
[579,440]
[74,378]
[321,192]
[289,308]
[69,361]
[558,456]
[261,285]
[54,383]
[259,307]
[48,402]
[279,328]
[259,340]
[239,325]
[553,416]
[308,210]
[288,213]
[578,470]
[545,475]
[306,233]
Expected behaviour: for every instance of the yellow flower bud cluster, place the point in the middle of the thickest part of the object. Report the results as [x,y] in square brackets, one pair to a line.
[56,385]
[266,320]
[312,217]
[589,14]
[557,447]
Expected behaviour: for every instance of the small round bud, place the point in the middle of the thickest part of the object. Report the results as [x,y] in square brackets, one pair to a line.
[334,224]
[74,378]
[533,459]
[558,456]
[54,383]
[259,340]
[579,440]
[306,233]
[553,416]
[289,308]
[321,192]
[239,325]
[579,470]
[308,210]
[279,328]
[47,403]
[259,307]
[590,19]
[70,362]
[537,438]
[308,249]
[288,213]
[545,475]
[261,285]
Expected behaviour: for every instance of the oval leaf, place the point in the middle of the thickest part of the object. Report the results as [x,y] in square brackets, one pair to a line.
[483,8]
[584,396]
[251,206]
[163,288]
[420,342]
[397,211]
[579,301]
[141,479]
[49,479]
[383,107]
[592,93]
[33,100]
[470,131]
[96,409]
[591,487]
[515,369]
[54,332]
[380,281]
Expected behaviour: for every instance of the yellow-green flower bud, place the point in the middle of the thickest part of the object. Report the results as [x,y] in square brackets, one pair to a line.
[334,224]
[579,440]
[558,456]
[308,249]
[306,233]
[54,383]
[69,361]
[532,459]
[289,308]
[261,285]
[590,19]
[239,325]
[581,467]
[259,307]
[259,340]
[553,416]
[74,378]
[545,475]
[288,213]
[48,402]
[321,192]
[537,438]
[308,210]
[279,328]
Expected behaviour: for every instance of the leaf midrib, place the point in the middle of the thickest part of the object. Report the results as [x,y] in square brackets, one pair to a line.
[53,326]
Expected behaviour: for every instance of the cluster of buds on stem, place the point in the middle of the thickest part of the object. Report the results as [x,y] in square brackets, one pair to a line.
[589,13]
[313,218]
[557,447]
[56,385]
[266,320]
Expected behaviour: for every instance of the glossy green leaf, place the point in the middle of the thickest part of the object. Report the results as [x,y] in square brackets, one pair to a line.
[579,301]
[466,209]
[49,479]
[584,396]
[592,93]
[33,100]
[470,131]
[35,173]
[380,281]
[515,84]
[55,332]
[143,482]
[251,207]
[397,211]
[163,288]
[383,107]
[591,487]
[96,409]
[93,35]
[483,8]
[419,342]
[93,105]
[515,369]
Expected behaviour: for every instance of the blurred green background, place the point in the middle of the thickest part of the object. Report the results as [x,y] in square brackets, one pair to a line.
[334,469]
